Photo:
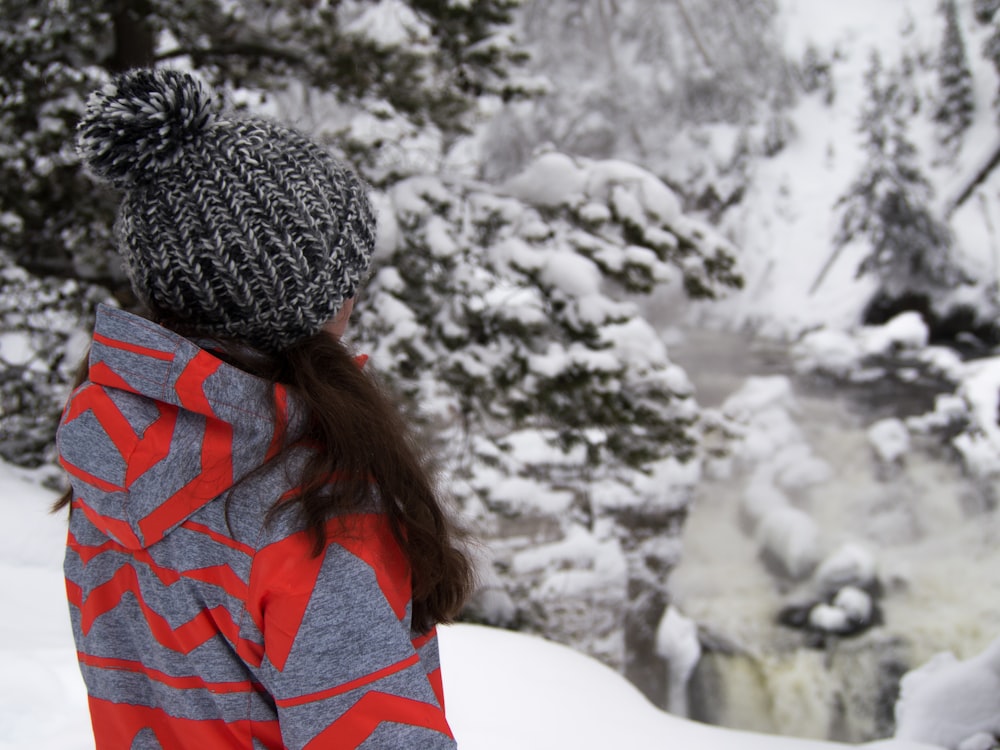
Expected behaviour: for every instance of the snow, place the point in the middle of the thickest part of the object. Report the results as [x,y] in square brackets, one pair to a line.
[503,689]
[16,349]
[855,602]
[571,273]
[905,331]
[677,642]
[634,191]
[508,690]
[851,563]
[791,537]
[542,695]
[389,24]
[517,495]
[549,181]
[890,439]
[948,702]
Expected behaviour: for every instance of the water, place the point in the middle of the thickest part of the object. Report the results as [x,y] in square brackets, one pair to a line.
[933,532]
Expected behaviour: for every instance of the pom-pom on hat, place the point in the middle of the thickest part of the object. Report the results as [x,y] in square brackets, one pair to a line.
[234,227]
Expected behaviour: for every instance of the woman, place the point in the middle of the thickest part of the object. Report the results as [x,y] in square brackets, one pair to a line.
[257,557]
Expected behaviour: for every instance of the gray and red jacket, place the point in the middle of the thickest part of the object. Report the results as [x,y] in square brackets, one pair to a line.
[198,623]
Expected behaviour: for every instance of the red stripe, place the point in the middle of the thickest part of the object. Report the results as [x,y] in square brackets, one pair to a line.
[113,527]
[369,538]
[117,724]
[357,723]
[221,576]
[282,582]
[134,348]
[216,475]
[349,686]
[101,374]
[204,488]
[74,594]
[142,453]
[437,685]
[191,682]
[190,385]
[218,575]
[280,421]
[89,478]
[201,528]
[89,552]
[154,446]
[184,639]
[422,640]
[167,576]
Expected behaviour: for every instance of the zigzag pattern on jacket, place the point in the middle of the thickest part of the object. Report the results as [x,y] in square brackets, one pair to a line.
[198,624]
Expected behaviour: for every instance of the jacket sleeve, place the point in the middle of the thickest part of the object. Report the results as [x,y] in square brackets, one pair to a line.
[340,662]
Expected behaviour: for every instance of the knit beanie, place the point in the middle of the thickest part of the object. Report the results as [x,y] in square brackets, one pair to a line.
[235,227]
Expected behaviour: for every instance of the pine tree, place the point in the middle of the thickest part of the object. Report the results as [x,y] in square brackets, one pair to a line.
[505,314]
[956,101]
[987,12]
[441,57]
[627,74]
[888,204]
[56,224]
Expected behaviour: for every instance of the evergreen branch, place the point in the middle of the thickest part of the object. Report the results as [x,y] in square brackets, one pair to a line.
[237,49]
[693,32]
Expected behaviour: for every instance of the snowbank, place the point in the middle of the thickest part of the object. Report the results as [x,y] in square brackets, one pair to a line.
[504,690]
[509,690]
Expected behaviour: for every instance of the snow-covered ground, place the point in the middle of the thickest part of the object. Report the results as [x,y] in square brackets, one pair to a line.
[504,690]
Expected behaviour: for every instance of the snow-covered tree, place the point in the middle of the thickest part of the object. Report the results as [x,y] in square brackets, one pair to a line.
[956,100]
[625,75]
[888,205]
[41,342]
[424,61]
[506,314]
[987,12]
[512,300]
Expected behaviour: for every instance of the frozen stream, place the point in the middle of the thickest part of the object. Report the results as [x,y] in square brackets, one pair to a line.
[931,534]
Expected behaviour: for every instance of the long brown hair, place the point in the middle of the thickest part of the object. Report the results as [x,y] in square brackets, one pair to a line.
[362,441]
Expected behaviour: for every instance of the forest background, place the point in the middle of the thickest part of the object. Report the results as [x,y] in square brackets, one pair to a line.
[554,181]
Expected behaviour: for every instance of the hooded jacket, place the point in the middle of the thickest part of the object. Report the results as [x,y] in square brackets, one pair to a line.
[201,621]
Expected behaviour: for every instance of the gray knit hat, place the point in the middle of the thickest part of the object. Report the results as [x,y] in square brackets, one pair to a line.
[237,227]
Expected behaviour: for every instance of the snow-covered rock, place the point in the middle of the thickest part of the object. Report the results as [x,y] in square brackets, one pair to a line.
[849,565]
[789,539]
[947,702]
[905,331]
[677,642]
[890,439]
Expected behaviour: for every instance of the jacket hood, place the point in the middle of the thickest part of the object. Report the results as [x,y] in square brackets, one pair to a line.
[162,427]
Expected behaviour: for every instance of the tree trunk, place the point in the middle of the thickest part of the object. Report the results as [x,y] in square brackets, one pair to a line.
[977,179]
[134,38]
